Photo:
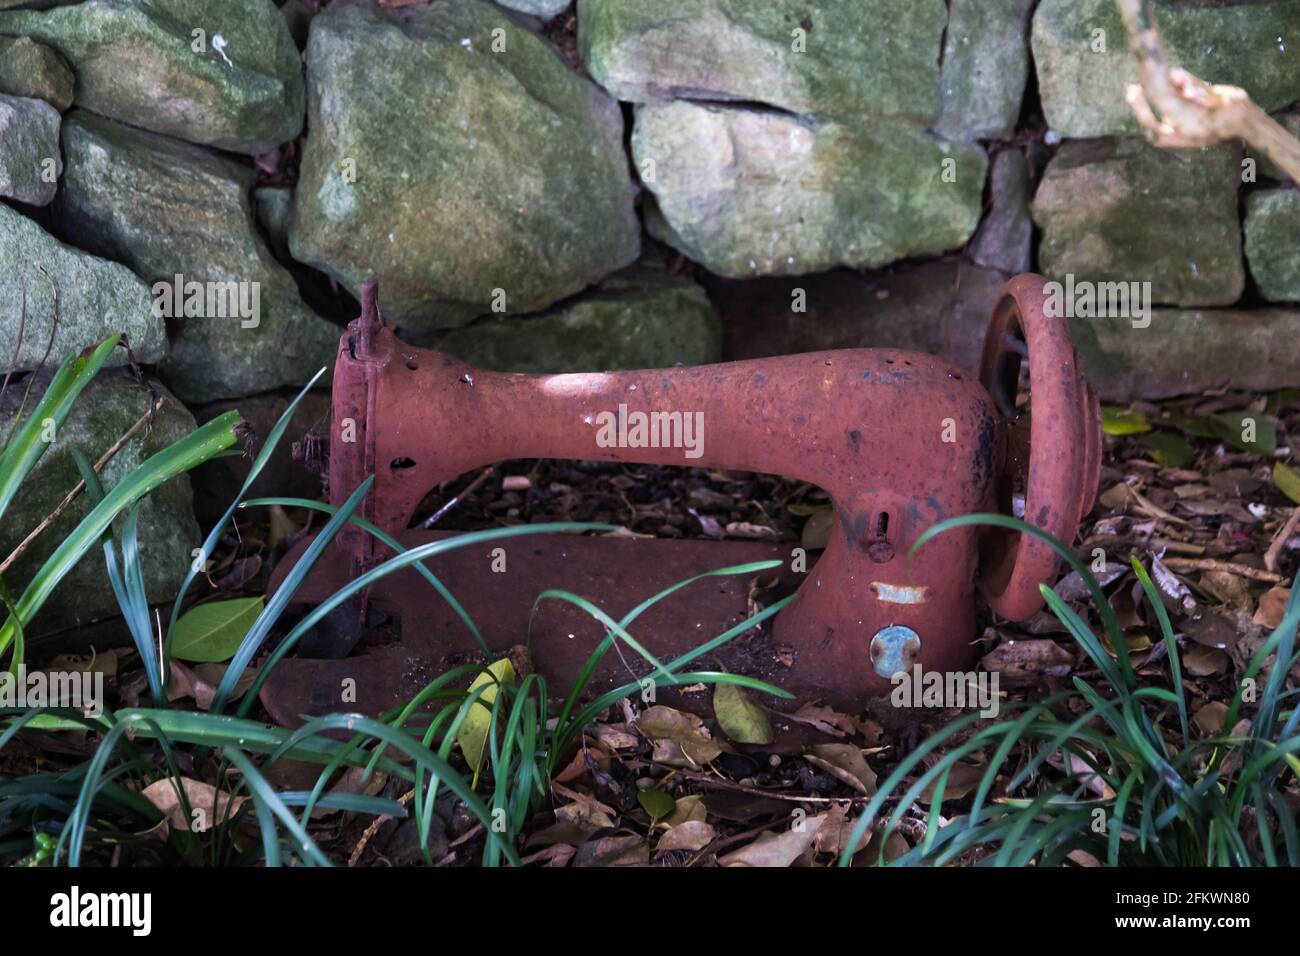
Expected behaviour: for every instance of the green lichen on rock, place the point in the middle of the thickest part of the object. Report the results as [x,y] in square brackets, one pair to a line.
[845,59]
[167,208]
[634,321]
[746,192]
[459,173]
[1187,352]
[110,405]
[985,65]
[28,68]
[1273,243]
[1123,210]
[30,162]
[95,298]
[1084,62]
[236,84]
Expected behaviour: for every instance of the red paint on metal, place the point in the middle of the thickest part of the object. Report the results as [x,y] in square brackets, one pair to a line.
[900,440]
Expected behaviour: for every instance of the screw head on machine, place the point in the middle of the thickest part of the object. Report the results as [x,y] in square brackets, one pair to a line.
[894,649]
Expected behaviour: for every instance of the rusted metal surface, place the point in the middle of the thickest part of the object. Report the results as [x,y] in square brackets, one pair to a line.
[900,440]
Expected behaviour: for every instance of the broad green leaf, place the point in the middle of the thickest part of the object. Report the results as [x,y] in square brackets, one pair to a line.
[212,632]
[1249,431]
[1196,427]
[1288,481]
[1168,449]
[657,803]
[474,731]
[1123,421]
[740,718]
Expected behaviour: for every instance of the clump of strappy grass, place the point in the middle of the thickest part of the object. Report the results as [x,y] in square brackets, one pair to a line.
[1112,769]
[96,808]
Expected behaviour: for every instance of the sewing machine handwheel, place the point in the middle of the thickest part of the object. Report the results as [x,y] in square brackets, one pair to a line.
[1062,464]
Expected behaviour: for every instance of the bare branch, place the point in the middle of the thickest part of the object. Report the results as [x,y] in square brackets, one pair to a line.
[1179,111]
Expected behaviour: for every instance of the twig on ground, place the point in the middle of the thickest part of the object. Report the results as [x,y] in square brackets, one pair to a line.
[1211,564]
[1280,539]
[371,830]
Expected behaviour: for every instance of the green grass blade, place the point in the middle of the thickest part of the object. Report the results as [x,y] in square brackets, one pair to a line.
[28,443]
[1171,644]
[1015,524]
[271,612]
[392,543]
[404,560]
[177,458]
[210,542]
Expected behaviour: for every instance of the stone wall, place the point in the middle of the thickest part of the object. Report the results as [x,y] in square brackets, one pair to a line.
[552,186]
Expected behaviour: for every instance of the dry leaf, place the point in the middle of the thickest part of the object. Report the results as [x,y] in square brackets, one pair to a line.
[835,830]
[613,851]
[962,779]
[207,804]
[692,835]
[556,855]
[825,719]
[782,848]
[846,763]
[1209,719]
[585,817]
[1023,662]
[1202,661]
[680,740]
[614,736]
[740,717]
[689,808]
[1271,605]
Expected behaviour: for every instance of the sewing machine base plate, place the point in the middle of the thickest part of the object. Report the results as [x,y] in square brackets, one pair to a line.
[616,574]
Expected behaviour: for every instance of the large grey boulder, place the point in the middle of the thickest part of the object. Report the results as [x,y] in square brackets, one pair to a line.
[746,192]
[1124,210]
[1084,62]
[167,209]
[73,300]
[846,59]
[474,170]
[221,72]
[30,161]
[108,407]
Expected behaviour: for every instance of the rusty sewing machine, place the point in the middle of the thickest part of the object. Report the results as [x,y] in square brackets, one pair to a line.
[899,440]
